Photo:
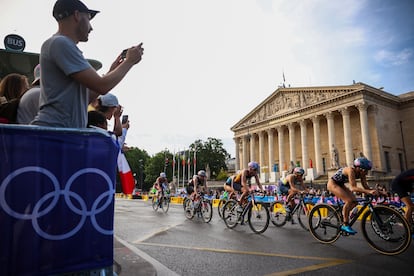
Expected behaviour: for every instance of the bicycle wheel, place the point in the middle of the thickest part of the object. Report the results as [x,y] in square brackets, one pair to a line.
[302,213]
[189,209]
[324,223]
[278,213]
[165,204]
[220,207]
[386,230]
[155,204]
[230,214]
[206,210]
[258,217]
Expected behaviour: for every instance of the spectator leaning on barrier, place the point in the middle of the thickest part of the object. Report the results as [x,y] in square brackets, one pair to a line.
[69,83]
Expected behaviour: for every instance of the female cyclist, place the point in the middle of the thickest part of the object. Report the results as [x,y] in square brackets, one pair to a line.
[336,185]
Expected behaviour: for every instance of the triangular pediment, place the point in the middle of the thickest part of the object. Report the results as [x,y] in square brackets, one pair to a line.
[289,100]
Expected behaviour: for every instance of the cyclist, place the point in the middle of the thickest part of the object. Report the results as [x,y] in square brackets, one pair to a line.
[241,182]
[198,180]
[403,185]
[160,184]
[336,185]
[228,185]
[287,186]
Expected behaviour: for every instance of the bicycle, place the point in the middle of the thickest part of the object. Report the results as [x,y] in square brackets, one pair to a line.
[163,203]
[384,228]
[202,207]
[223,201]
[279,216]
[257,214]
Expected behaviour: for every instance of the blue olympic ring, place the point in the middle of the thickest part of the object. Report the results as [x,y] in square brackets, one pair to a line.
[67,194]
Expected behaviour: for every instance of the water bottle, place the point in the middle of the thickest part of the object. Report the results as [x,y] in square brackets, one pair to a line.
[353,212]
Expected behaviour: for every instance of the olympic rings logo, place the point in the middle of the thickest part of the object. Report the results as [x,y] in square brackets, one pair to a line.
[67,194]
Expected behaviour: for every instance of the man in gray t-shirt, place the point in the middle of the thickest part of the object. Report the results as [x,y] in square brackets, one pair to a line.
[69,83]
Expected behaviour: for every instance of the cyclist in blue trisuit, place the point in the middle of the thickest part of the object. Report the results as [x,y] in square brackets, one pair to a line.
[336,185]
[403,185]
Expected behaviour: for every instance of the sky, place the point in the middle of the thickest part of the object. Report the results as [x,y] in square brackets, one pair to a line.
[208,63]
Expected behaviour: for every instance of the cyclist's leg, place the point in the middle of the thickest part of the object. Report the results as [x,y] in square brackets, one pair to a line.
[237,188]
[245,193]
[346,195]
[410,207]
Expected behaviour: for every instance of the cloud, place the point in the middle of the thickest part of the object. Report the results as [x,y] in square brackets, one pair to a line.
[394,58]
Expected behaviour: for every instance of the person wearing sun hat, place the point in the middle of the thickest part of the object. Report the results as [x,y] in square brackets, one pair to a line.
[69,83]
[29,102]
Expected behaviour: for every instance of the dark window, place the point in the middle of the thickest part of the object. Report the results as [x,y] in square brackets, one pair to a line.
[387,161]
[401,159]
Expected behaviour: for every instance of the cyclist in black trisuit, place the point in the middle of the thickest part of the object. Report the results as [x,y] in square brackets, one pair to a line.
[403,185]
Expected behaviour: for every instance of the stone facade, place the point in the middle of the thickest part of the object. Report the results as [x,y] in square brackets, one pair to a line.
[305,126]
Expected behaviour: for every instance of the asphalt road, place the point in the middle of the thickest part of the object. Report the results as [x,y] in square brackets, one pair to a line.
[178,246]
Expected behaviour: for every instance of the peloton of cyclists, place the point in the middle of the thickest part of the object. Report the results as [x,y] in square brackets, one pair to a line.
[288,186]
[160,185]
[336,185]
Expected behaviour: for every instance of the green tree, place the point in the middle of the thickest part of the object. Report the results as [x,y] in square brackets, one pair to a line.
[160,162]
[210,154]
[137,159]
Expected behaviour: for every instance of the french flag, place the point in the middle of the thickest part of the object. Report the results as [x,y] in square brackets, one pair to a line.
[125,174]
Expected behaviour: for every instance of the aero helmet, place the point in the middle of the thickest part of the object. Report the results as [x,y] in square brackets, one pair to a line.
[201,173]
[363,163]
[299,170]
[254,165]
[163,175]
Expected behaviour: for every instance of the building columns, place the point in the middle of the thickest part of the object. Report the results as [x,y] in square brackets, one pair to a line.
[317,139]
[331,130]
[263,175]
[252,147]
[272,174]
[347,136]
[245,151]
[280,133]
[304,142]
[292,144]
[366,145]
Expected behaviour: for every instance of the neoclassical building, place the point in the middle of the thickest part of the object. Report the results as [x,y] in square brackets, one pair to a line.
[321,128]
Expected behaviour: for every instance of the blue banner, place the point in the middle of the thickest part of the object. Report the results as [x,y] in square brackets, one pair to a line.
[56,200]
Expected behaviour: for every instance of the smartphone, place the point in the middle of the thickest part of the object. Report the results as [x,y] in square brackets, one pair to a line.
[124,119]
[123,54]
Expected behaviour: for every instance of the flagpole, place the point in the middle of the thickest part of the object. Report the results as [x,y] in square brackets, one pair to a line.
[189,165]
[173,167]
[178,170]
[183,163]
[195,162]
